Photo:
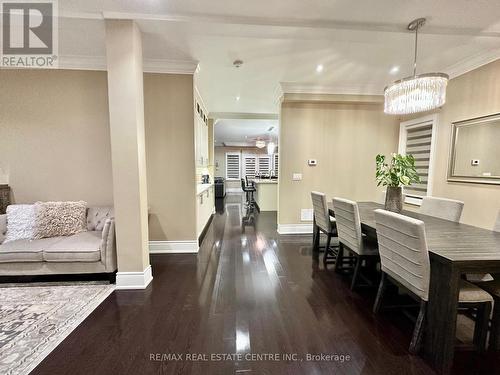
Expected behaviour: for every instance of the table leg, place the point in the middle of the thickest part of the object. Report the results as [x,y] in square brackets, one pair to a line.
[442,316]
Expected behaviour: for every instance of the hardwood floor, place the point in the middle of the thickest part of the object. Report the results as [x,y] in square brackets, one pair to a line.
[246,292]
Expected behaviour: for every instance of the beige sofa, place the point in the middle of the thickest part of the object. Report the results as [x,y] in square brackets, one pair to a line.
[93,251]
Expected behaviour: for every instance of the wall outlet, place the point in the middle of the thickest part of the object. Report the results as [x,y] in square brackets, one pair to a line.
[474,162]
[306,214]
[297,177]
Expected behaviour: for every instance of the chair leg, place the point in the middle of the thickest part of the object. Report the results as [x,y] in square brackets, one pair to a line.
[380,294]
[316,238]
[357,268]
[327,249]
[338,260]
[495,327]
[481,326]
[418,331]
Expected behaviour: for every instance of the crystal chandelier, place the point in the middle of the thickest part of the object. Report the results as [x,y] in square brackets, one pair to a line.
[418,93]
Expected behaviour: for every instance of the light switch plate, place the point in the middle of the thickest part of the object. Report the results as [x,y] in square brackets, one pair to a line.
[297,177]
[312,162]
[474,162]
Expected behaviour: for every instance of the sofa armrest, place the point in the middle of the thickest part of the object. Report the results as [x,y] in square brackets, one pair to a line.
[3,227]
[108,245]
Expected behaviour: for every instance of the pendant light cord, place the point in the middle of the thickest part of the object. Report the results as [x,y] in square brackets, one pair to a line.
[416,46]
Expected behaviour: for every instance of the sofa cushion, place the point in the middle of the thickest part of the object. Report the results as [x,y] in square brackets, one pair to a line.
[25,250]
[81,247]
[54,219]
[97,216]
[20,222]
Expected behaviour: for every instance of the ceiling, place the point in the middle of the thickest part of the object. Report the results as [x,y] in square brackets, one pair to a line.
[358,43]
[244,132]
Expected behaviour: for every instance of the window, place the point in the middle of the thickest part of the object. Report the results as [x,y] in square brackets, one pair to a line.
[233,166]
[249,165]
[264,164]
[417,138]
[276,165]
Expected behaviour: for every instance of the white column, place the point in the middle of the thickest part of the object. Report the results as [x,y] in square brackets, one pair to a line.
[126,117]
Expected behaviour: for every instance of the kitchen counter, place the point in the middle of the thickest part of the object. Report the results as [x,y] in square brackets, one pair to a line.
[201,188]
[265,181]
[266,195]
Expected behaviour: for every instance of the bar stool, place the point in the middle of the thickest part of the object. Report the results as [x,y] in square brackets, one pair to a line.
[249,190]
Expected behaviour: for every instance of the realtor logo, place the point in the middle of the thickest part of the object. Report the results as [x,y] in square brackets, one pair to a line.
[29,34]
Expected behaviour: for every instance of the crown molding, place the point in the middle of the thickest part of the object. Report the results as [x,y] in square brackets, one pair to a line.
[472,62]
[243,116]
[76,62]
[336,89]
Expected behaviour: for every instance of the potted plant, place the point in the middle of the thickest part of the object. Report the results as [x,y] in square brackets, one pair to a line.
[399,172]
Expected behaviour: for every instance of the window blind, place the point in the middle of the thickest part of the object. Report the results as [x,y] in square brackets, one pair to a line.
[418,144]
[232,166]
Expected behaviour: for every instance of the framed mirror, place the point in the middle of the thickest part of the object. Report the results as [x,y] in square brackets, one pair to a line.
[475,152]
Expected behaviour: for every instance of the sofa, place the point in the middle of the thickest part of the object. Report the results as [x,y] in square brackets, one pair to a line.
[92,251]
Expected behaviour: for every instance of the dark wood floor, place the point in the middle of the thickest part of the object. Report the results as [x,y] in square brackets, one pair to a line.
[249,291]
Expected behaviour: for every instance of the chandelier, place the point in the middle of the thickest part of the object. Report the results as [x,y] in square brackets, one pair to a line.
[418,93]
[260,143]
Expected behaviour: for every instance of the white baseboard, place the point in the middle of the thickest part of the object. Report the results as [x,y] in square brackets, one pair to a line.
[173,247]
[295,228]
[134,280]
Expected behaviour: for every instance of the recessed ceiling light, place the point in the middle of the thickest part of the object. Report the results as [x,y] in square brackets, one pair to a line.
[319,68]
[394,70]
[238,98]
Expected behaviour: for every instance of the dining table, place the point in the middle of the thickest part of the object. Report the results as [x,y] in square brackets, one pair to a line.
[455,249]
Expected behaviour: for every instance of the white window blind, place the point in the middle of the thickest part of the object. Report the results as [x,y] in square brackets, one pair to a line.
[276,165]
[233,166]
[416,139]
[264,164]
[249,166]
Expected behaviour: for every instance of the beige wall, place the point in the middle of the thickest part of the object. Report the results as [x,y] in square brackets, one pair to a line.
[55,142]
[473,94]
[54,135]
[169,118]
[344,138]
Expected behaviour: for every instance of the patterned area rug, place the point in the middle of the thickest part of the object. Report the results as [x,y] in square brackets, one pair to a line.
[35,318]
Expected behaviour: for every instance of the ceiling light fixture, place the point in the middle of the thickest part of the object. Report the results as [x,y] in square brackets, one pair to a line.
[394,70]
[319,68]
[270,148]
[237,98]
[260,144]
[418,93]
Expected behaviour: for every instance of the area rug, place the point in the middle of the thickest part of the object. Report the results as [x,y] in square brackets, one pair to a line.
[35,318]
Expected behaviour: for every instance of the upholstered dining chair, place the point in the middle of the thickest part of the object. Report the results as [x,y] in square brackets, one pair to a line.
[443,208]
[323,223]
[351,238]
[404,259]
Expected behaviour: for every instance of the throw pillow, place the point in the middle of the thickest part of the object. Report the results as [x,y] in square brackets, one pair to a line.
[53,219]
[20,222]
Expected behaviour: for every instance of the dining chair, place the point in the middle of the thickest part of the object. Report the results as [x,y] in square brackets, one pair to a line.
[443,208]
[323,223]
[404,259]
[351,238]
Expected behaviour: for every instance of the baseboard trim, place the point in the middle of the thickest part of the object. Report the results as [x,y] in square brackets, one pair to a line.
[134,280]
[173,247]
[295,228]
